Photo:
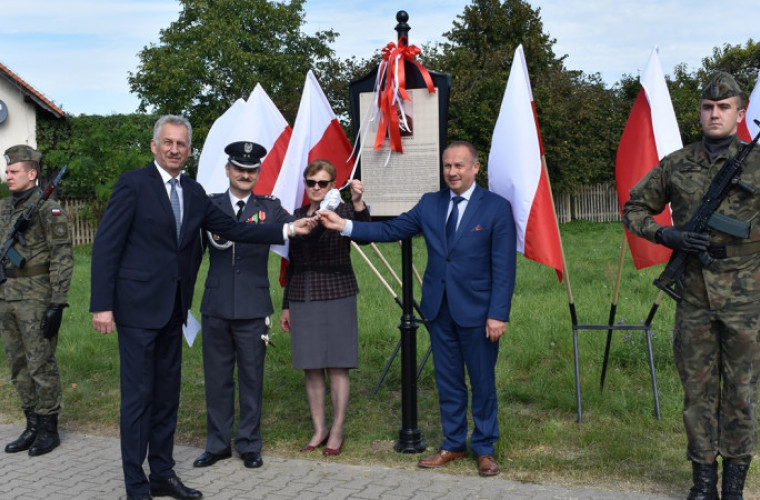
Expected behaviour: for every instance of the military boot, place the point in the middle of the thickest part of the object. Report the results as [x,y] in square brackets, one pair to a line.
[734,474]
[47,436]
[26,438]
[705,478]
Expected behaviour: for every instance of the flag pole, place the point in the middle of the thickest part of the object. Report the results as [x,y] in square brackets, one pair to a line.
[414,302]
[613,310]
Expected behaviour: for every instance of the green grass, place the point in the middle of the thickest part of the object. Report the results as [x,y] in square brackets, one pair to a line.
[620,443]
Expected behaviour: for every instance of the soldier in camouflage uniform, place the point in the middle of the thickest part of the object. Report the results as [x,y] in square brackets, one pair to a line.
[32,300]
[716,341]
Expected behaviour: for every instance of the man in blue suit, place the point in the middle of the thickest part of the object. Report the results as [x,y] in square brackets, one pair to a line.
[145,260]
[466,296]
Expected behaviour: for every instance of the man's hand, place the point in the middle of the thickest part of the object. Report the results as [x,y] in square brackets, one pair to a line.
[51,320]
[305,225]
[495,329]
[331,220]
[678,239]
[103,322]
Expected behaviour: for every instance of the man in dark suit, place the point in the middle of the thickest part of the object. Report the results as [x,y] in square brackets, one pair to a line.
[236,307]
[466,296]
[145,259]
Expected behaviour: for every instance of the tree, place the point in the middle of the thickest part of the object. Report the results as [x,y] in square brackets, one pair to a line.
[218,50]
[580,135]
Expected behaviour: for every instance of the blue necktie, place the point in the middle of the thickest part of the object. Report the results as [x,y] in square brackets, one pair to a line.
[174,198]
[241,206]
[451,224]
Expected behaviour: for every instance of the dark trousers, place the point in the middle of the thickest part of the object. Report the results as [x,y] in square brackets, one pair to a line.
[225,342]
[150,384]
[454,349]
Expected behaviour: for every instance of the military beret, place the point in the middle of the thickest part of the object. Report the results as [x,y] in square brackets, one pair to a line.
[22,152]
[245,154]
[720,86]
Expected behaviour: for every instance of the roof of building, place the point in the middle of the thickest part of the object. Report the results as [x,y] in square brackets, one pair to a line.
[36,96]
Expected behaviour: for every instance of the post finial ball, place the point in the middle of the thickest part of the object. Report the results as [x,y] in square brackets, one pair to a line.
[402,16]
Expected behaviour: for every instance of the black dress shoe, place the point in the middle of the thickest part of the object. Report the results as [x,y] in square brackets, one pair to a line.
[252,459]
[208,458]
[173,487]
[140,496]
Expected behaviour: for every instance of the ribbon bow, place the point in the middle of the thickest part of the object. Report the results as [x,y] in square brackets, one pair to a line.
[391,91]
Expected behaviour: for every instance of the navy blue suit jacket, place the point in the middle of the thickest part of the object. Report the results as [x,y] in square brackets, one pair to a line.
[477,274]
[137,263]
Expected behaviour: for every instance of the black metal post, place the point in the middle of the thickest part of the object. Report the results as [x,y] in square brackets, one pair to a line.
[409,436]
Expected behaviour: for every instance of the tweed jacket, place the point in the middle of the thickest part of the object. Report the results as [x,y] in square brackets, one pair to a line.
[323,260]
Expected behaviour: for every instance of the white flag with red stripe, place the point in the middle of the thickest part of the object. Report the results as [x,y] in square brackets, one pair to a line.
[748,129]
[257,120]
[650,134]
[317,134]
[517,170]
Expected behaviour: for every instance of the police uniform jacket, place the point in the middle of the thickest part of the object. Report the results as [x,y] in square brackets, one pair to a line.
[681,179]
[237,285]
[322,260]
[47,250]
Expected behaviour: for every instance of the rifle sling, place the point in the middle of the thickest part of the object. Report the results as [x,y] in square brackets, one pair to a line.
[737,250]
[26,272]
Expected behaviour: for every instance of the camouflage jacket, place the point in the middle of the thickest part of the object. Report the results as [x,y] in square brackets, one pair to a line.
[47,245]
[681,179]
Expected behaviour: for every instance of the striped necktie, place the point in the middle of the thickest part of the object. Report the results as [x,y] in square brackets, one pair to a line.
[174,198]
[451,224]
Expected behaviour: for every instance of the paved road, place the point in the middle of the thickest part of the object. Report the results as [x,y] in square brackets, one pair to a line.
[88,467]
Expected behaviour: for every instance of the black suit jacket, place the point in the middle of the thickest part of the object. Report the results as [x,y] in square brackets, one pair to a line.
[237,285]
[137,263]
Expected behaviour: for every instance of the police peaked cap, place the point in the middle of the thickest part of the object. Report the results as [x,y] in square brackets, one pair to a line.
[721,86]
[245,154]
[22,152]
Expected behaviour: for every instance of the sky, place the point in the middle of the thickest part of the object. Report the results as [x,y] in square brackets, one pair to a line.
[78,53]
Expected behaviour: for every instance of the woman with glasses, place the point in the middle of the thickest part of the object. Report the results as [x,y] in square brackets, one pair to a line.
[319,307]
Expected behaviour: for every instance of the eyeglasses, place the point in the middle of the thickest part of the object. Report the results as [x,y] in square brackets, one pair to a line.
[323,184]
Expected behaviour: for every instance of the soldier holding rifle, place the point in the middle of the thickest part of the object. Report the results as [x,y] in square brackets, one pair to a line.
[37,263]
[716,341]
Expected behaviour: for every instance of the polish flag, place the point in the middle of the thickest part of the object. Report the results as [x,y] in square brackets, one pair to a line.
[517,170]
[650,134]
[748,129]
[257,120]
[317,134]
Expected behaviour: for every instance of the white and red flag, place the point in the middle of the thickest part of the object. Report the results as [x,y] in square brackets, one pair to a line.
[517,170]
[257,120]
[650,134]
[748,129]
[317,134]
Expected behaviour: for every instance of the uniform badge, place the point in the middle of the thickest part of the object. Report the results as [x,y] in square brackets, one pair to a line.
[55,211]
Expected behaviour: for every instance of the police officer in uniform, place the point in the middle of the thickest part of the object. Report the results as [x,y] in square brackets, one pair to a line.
[716,340]
[32,299]
[236,307]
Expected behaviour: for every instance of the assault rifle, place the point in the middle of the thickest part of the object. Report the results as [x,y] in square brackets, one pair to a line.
[705,218]
[16,235]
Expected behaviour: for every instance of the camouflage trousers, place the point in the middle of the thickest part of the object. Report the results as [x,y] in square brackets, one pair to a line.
[30,356]
[717,354]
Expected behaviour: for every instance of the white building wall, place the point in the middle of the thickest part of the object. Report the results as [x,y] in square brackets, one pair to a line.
[21,125]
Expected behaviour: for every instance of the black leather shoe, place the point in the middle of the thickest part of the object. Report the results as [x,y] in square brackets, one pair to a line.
[173,487]
[252,459]
[140,496]
[208,458]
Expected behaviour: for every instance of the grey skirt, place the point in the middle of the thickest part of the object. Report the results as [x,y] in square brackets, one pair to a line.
[324,334]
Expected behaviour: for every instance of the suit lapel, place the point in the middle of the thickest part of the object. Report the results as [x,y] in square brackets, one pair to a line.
[158,189]
[469,214]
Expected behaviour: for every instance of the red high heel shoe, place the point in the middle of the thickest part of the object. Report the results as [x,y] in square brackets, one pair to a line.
[334,452]
[309,447]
